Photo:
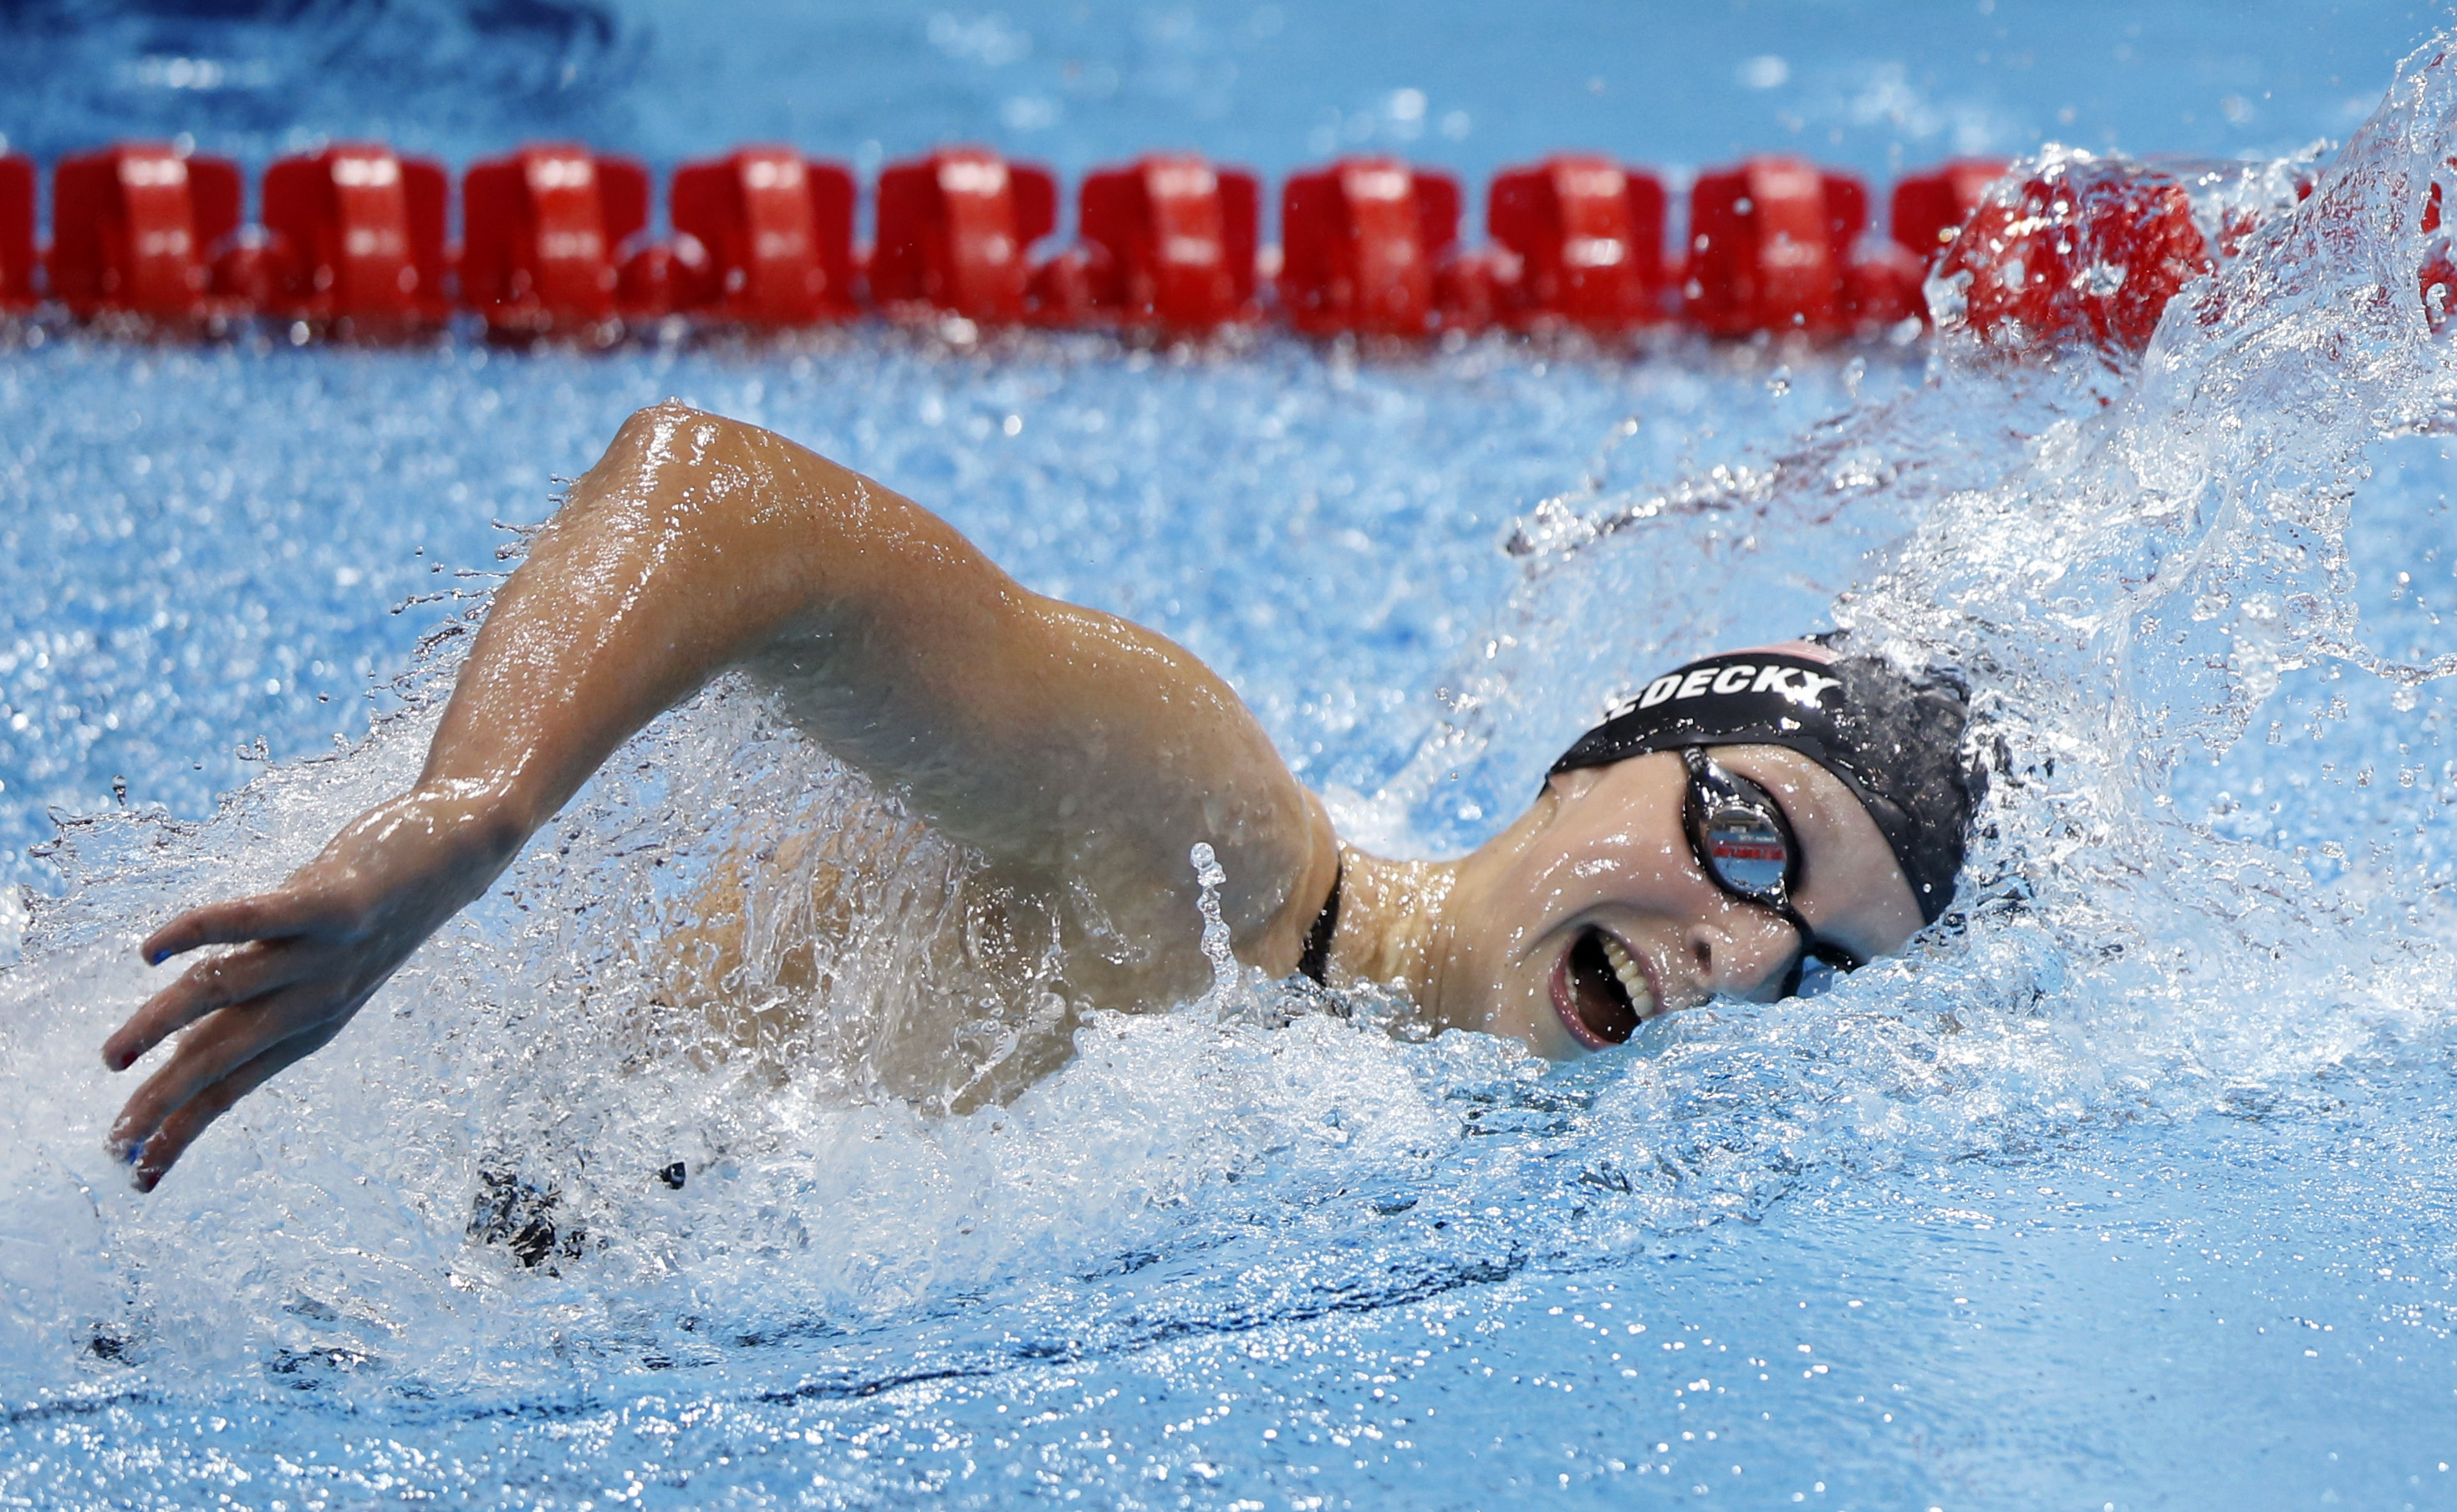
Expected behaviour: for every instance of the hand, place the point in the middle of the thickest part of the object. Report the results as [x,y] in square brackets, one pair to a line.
[310,954]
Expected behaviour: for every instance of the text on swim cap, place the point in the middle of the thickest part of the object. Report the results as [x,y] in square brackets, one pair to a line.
[1797,684]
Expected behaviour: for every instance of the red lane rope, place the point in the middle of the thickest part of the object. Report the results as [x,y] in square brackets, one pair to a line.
[351,244]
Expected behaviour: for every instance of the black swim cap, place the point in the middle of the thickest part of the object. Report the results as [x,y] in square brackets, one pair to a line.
[1896,741]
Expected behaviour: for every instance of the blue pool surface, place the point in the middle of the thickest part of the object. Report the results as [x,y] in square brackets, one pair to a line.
[2128,1186]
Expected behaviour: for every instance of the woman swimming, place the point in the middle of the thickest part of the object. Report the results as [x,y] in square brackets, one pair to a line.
[1737,818]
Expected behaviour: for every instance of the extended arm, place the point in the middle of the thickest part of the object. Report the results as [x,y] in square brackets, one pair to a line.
[1071,747]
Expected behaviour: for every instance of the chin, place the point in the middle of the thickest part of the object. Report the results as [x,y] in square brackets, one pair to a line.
[1525,1014]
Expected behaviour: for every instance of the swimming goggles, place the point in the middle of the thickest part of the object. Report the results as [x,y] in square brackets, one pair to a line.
[1746,847]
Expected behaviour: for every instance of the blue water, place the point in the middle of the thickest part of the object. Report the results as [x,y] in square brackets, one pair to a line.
[2129,1188]
[1266,83]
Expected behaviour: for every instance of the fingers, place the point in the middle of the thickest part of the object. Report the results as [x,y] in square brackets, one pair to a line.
[266,916]
[235,978]
[214,1049]
[244,974]
[154,1158]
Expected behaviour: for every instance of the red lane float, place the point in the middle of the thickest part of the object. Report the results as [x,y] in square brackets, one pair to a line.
[2085,249]
[1881,287]
[542,230]
[2438,276]
[1775,246]
[1169,243]
[353,244]
[133,227]
[1362,241]
[777,230]
[1769,243]
[1587,236]
[17,262]
[954,231]
[1929,208]
[355,240]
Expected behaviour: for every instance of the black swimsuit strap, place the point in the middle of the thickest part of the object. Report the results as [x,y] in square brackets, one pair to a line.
[1315,964]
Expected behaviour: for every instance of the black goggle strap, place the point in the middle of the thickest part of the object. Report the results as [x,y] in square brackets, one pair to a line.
[1710,782]
[1811,948]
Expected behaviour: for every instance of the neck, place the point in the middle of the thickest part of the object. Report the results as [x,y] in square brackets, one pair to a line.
[1392,925]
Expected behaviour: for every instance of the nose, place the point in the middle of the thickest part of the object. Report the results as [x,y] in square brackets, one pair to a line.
[1743,951]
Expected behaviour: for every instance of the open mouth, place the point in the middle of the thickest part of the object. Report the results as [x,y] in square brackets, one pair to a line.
[1601,992]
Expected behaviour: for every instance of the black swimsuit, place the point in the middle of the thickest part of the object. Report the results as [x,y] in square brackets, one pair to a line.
[1315,964]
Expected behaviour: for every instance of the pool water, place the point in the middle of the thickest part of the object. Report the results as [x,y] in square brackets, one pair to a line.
[2130,1185]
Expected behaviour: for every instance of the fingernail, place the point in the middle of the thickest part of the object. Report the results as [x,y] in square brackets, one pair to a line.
[132,1151]
[158,957]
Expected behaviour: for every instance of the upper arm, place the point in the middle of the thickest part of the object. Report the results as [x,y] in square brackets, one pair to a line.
[1073,747]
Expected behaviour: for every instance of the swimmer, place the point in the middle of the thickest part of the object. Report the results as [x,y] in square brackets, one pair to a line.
[1737,819]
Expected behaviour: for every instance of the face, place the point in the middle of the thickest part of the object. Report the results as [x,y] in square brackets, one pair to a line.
[1591,907]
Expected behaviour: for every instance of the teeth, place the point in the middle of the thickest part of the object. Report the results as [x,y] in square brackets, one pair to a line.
[1633,981]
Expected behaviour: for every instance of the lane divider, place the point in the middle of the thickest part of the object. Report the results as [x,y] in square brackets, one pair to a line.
[1360,240]
[542,230]
[1580,239]
[955,234]
[352,243]
[1169,243]
[132,226]
[2095,253]
[20,266]
[762,237]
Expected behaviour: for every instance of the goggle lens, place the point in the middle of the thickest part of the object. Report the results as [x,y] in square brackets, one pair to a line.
[1745,844]
[1749,853]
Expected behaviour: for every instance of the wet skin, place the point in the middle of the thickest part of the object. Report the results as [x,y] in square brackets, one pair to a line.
[1493,941]
[1080,756]
[1604,851]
